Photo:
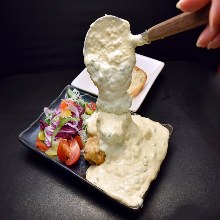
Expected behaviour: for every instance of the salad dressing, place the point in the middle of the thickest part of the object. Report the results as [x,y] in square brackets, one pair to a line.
[134,146]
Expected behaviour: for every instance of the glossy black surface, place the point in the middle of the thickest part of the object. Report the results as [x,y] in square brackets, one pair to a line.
[185,95]
[43,36]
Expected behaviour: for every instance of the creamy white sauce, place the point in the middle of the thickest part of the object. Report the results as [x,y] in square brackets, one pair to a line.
[134,146]
[109,55]
[135,149]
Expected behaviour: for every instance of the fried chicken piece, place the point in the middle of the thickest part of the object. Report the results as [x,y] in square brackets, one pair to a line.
[92,152]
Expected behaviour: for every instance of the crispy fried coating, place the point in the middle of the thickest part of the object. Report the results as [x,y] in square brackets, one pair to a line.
[92,152]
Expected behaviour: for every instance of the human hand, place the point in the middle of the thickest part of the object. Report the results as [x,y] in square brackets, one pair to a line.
[210,37]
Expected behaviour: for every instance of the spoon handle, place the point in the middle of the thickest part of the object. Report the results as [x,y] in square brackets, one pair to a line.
[177,24]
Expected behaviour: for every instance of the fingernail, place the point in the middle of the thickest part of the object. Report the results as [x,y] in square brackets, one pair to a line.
[210,46]
[199,43]
[179,3]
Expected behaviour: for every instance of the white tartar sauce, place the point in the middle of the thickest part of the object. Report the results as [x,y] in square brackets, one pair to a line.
[134,146]
[109,55]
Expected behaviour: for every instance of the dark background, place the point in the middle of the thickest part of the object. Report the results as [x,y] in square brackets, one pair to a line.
[44,36]
[47,37]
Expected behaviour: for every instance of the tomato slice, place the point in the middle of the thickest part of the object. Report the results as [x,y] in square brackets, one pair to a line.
[64,104]
[79,141]
[68,151]
[74,152]
[63,150]
[92,106]
[41,145]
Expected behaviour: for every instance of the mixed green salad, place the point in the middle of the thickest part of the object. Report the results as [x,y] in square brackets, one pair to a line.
[63,131]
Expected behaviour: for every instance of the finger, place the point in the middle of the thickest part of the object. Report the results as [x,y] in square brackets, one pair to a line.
[206,37]
[191,6]
[214,16]
[215,43]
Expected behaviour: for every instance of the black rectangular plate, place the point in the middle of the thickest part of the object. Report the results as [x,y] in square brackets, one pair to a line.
[28,137]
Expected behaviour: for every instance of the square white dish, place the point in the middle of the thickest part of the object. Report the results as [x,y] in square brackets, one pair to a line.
[151,66]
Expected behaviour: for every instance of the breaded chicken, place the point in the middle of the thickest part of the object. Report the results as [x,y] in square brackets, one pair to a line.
[92,152]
